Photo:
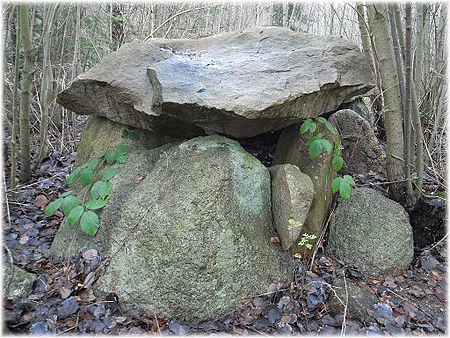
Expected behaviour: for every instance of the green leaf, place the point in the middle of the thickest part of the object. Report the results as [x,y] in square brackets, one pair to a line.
[97,189]
[320,119]
[111,156]
[122,158]
[52,207]
[89,223]
[86,176]
[100,189]
[123,148]
[335,184]
[315,148]
[345,190]
[131,134]
[67,193]
[350,180]
[337,163]
[102,153]
[92,163]
[75,214]
[305,126]
[327,145]
[96,204]
[109,174]
[73,176]
[312,127]
[69,203]
[330,127]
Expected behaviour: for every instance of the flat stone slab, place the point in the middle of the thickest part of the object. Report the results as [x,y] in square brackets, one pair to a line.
[240,84]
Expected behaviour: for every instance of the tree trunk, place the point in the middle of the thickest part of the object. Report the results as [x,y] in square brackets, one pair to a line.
[28,65]
[15,105]
[419,48]
[408,69]
[47,78]
[76,62]
[391,94]
[364,33]
[398,23]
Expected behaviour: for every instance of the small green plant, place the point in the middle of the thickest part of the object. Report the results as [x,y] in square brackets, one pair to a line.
[306,240]
[83,211]
[295,223]
[317,143]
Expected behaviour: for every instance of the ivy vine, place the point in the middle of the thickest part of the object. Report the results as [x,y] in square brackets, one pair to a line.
[317,143]
[83,210]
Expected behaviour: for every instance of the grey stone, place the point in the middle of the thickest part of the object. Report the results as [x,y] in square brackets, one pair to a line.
[361,149]
[371,232]
[241,84]
[17,283]
[292,148]
[358,106]
[192,239]
[292,194]
[357,298]
[100,134]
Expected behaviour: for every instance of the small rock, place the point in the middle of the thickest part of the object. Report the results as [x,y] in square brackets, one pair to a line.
[360,299]
[382,313]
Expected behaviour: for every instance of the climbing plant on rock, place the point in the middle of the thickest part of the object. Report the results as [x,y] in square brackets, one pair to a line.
[83,210]
[317,143]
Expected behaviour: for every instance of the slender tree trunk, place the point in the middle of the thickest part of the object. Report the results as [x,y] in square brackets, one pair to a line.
[364,33]
[47,78]
[28,65]
[15,105]
[398,23]
[391,94]
[76,61]
[419,48]
[396,32]
[408,69]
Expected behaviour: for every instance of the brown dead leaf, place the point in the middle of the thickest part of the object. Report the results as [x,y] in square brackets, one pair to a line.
[275,239]
[41,201]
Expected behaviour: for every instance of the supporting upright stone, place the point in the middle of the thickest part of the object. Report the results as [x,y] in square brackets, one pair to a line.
[361,149]
[292,194]
[293,148]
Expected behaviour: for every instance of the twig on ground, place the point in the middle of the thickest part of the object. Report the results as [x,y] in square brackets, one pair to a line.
[344,324]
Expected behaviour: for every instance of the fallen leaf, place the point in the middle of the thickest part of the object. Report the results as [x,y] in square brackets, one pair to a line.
[40,202]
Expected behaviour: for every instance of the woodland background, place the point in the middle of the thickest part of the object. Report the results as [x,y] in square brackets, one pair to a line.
[47,45]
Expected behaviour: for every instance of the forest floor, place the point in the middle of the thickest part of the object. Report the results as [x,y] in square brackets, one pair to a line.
[63,299]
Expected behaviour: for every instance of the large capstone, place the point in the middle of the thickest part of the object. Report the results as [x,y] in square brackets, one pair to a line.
[189,227]
[371,232]
[240,84]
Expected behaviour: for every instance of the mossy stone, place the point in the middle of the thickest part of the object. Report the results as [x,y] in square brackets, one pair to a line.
[371,232]
[189,227]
